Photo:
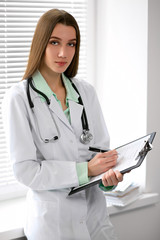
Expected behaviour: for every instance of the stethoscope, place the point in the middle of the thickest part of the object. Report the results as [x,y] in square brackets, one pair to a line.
[85,137]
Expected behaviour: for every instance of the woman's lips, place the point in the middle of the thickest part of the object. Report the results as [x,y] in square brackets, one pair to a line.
[61,64]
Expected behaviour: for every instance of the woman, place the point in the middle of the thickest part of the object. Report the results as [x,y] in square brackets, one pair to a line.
[47,149]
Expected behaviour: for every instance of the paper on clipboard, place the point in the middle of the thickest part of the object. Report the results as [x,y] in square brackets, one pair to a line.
[128,159]
[127,152]
[128,155]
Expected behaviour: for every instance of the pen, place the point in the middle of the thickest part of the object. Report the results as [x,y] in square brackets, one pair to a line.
[93,149]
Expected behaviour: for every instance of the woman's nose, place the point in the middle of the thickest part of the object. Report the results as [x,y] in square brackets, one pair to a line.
[62,52]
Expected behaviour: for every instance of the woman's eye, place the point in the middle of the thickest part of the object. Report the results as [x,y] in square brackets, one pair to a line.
[54,43]
[71,44]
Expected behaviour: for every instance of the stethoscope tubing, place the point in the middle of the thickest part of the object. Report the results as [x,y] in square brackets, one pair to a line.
[86,135]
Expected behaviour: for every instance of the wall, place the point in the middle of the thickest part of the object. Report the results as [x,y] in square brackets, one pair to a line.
[121,68]
[140,224]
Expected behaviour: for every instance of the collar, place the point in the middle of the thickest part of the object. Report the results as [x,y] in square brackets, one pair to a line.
[41,85]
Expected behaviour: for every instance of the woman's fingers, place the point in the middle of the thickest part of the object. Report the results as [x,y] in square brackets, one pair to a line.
[108,157]
[102,162]
[119,176]
[111,178]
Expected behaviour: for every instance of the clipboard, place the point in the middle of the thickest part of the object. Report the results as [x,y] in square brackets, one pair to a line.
[130,156]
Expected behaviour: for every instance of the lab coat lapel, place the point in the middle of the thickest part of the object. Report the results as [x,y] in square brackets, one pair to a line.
[75,113]
[55,107]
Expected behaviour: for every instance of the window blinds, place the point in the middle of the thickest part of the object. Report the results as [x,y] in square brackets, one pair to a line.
[17,24]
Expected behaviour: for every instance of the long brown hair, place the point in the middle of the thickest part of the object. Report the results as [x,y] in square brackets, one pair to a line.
[41,37]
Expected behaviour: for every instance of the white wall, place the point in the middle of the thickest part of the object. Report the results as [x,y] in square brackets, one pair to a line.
[140,224]
[121,69]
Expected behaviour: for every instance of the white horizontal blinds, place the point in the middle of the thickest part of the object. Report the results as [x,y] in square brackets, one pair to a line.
[17,24]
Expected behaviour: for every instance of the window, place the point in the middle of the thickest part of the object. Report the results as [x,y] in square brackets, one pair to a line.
[18,21]
[122,71]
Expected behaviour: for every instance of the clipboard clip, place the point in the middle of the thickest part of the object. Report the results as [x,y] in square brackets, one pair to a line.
[148,147]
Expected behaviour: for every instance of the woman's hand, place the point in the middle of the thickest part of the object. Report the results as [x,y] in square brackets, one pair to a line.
[102,162]
[112,178]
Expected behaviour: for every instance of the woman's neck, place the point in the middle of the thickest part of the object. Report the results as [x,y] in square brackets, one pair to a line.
[55,82]
[53,79]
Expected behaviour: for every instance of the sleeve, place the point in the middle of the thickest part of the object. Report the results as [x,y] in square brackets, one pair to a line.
[82,172]
[106,189]
[30,171]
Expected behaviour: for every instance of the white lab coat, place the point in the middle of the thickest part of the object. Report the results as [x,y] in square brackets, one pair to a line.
[49,169]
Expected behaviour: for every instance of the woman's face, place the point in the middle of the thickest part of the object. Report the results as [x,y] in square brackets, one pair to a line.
[60,49]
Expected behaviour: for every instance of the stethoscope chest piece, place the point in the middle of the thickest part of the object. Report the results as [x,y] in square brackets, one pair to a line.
[86,137]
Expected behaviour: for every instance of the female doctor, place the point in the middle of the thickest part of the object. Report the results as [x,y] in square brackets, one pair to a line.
[53,118]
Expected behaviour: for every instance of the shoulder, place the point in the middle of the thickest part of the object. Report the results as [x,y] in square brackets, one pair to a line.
[14,99]
[84,86]
[16,95]
[88,94]
[18,89]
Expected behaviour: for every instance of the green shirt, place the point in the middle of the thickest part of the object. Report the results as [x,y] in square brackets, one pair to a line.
[41,85]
